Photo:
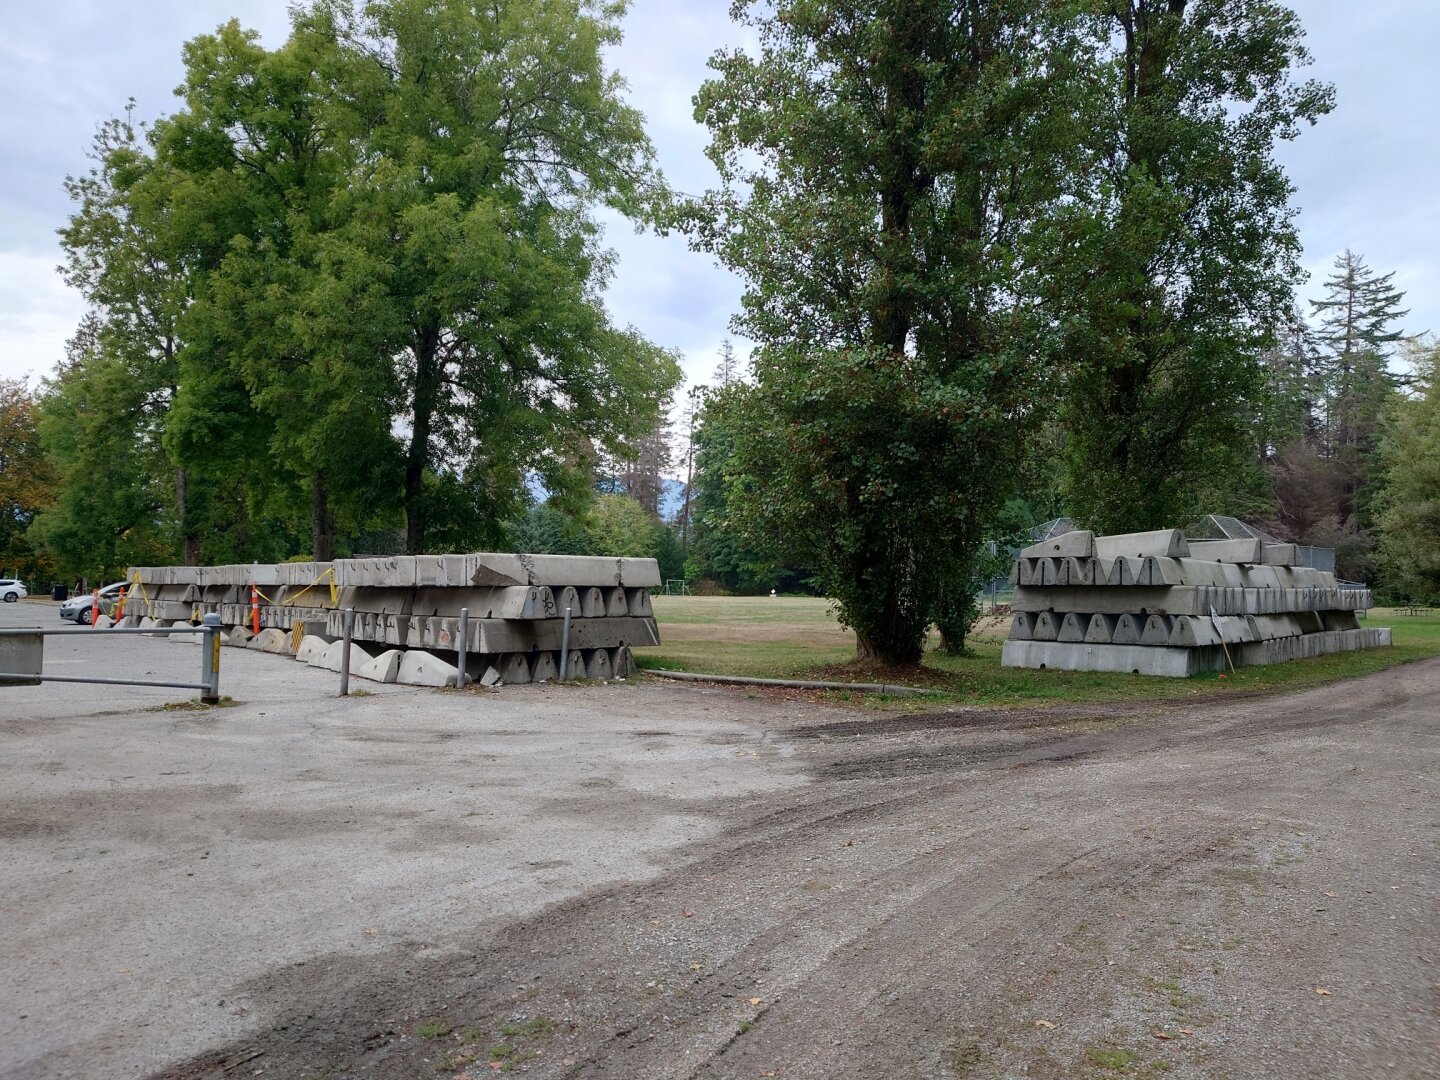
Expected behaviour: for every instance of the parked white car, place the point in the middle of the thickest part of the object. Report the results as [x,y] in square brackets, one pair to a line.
[12,589]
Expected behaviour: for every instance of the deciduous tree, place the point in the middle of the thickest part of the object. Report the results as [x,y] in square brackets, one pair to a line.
[884,167]
[1179,258]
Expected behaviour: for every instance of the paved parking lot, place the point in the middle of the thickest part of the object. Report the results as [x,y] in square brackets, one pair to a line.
[157,859]
[658,882]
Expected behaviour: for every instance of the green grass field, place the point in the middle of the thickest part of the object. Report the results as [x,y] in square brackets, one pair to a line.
[799,637]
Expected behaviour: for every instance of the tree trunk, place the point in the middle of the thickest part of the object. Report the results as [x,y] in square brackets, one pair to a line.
[322,522]
[417,456]
[189,537]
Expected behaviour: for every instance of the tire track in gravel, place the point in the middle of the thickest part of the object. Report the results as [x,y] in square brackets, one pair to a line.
[941,889]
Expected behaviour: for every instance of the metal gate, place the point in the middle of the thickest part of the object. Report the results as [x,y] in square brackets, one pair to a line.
[22,655]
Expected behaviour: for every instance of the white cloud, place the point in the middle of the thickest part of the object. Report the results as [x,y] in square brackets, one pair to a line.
[1365,175]
[38,312]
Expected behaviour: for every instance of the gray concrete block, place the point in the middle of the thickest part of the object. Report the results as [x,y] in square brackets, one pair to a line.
[271,640]
[1227,551]
[637,602]
[420,668]
[597,664]
[1193,631]
[384,668]
[311,648]
[1022,626]
[1122,571]
[236,637]
[1080,544]
[622,662]
[616,605]
[515,669]
[592,603]
[22,654]
[1046,627]
[1279,554]
[1073,627]
[1167,543]
[1157,631]
[502,636]
[331,658]
[1101,630]
[543,667]
[1136,659]
[1128,629]
[567,596]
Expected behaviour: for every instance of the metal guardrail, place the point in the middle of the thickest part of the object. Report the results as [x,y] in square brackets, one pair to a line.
[209,684]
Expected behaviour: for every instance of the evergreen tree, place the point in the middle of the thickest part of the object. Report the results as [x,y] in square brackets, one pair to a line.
[1357,317]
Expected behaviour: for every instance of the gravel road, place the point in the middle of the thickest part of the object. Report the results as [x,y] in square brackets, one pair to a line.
[656,881]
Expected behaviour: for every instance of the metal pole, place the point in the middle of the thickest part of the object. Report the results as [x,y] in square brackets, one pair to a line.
[210,662]
[464,640]
[565,645]
[345,652]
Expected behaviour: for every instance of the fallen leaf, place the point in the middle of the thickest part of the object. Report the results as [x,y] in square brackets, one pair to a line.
[1322,991]
[1162,1035]
[850,842]
[1185,1031]
[687,914]
[372,930]
[1332,894]
[1392,886]
[1044,1025]
[757,1001]
[694,967]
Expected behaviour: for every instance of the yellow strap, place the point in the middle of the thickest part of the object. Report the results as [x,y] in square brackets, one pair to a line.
[149,606]
[327,574]
[262,596]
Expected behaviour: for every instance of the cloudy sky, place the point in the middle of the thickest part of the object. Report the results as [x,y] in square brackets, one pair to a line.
[1366,177]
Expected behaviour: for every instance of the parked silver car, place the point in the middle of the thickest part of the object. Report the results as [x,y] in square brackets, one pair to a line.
[80,608]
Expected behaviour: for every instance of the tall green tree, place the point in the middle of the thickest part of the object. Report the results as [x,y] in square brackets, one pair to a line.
[1409,507]
[487,136]
[113,504]
[26,478]
[124,256]
[277,353]
[1357,327]
[884,168]
[1180,257]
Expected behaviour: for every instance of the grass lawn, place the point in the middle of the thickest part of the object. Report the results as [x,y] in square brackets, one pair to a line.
[798,637]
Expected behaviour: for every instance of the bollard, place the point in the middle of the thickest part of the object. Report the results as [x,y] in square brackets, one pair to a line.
[210,661]
[564,646]
[348,633]
[464,637]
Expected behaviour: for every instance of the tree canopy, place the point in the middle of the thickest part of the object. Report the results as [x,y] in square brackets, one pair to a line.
[357,282]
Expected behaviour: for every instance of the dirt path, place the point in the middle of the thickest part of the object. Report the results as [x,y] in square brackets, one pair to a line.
[1094,892]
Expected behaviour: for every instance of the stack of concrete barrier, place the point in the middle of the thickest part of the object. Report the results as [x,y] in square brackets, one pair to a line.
[1156,604]
[407,610]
